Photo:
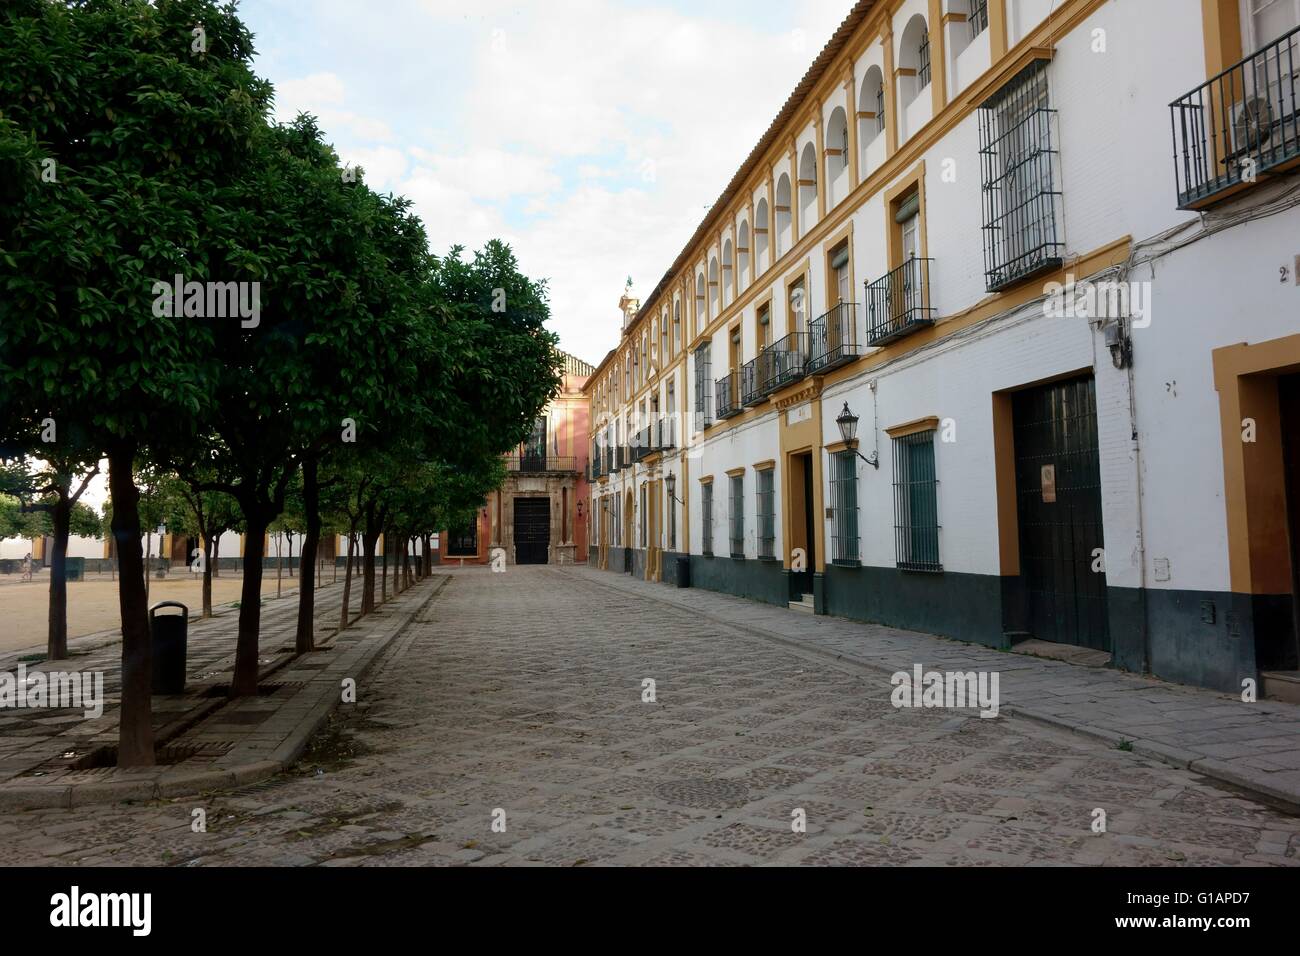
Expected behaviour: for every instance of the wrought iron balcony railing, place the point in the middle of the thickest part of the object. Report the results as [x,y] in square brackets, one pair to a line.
[834,338]
[1242,122]
[749,390]
[667,434]
[537,464]
[728,395]
[898,303]
[643,443]
[783,362]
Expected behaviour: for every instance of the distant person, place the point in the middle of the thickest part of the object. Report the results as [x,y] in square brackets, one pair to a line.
[27,566]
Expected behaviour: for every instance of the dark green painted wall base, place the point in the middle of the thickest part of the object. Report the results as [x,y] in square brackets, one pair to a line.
[1202,638]
[759,580]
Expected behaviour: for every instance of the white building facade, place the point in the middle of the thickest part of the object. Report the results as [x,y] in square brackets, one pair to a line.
[994,335]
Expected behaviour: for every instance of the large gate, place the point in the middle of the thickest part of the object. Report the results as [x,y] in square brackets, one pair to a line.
[532,530]
[1058,496]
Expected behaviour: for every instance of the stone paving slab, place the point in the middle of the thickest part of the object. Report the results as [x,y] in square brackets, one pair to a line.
[223,743]
[1254,746]
[522,693]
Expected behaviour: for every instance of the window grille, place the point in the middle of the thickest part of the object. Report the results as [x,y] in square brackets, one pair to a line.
[979,17]
[916,503]
[706,519]
[766,514]
[844,498]
[737,516]
[1016,159]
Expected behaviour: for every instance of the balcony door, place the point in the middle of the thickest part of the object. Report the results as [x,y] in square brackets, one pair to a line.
[534,453]
[1275,75]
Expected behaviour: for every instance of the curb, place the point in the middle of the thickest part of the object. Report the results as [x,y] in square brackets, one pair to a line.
[1287,800]
[163,784]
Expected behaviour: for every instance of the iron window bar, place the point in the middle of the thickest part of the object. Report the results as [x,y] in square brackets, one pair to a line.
[643,444]
[737,516]
[916,503]
[706,520]
[728,393]
[978,17]
[844,508]
[833,338]
[1021,207]
[923,62]
[703,405]
[898,303]
[766,512]
[750,393]
[880,108]
[1243,121]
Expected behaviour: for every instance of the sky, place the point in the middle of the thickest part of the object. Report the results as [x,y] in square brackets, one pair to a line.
[591,135]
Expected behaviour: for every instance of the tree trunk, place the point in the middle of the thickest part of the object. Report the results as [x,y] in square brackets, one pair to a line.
[209,560]
[383,593]
[216,553]
[148,560]
[368,571]
[347,582]
[289,539]
[135,729]
[60,518]
[279,563]
[307,569]
[250,603]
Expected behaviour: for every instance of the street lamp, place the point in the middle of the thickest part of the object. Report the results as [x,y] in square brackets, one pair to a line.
[848,425]
[671,483]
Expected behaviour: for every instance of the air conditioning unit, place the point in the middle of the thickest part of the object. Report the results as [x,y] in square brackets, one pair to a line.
[1252,123]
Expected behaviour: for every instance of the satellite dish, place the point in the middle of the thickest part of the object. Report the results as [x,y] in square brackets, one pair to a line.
[1252,123]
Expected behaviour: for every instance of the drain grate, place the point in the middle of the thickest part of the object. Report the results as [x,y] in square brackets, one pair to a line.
[704,793]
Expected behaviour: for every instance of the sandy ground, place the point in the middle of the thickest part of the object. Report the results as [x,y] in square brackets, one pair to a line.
[92,604]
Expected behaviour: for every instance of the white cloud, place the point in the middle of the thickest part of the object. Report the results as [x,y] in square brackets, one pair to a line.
[615,124]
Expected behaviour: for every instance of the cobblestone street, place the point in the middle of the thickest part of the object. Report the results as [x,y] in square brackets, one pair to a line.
[518,696]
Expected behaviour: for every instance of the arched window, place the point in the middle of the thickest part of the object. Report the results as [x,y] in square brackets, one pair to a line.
[714,289]
[837,157]
[871,120]
[762,233]
[677,324]
[663,338]
[914,59]
[743,254]
[728,273]
[701,304]
[784,221]
[807,188]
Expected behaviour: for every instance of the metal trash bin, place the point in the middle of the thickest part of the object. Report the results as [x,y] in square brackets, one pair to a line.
[683,572]
[168,636]
[75,569]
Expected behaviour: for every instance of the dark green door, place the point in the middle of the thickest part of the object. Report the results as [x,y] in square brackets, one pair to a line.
[532,530]
[1058,496]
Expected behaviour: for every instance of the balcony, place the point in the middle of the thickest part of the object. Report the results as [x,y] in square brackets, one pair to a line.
[667,434]
[728,395]
[643,443]
[529,464]
[750,394]
[898,303]
[783,362]
[834,338]
[1236,125]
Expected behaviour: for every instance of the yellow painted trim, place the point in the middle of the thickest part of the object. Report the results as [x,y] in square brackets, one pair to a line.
[928,424]
[735,472]
[1254,479]
[834,448]
[706,480]
[767,465]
